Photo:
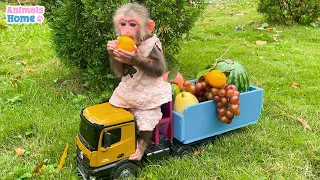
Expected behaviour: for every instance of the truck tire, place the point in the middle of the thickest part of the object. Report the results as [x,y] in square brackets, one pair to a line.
[125,170]
[184,151]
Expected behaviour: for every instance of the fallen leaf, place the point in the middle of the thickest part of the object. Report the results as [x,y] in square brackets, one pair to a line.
[240,14]
[206,27]
[28,70]
[197,152]
[261,42]
[19,151]
[38,168]
[18,78]
[295,85]
[59,93]
[275,37]
[22,62]
[269,29]
[239,27]
[30,51]
[228,37]
[17,47]
[260,28]
[63,157]
[243,43]
[3,27]
[43,167]
[304,124]
[1,57]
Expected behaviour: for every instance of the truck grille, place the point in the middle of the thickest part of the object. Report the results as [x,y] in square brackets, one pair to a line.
[83,163]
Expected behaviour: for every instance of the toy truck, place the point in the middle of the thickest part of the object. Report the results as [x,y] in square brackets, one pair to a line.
[107,135]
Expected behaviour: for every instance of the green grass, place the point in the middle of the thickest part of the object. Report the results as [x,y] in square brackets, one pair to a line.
[46,103]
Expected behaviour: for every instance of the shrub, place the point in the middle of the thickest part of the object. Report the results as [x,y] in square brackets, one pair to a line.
[49,5]
[289,11]
[81,29]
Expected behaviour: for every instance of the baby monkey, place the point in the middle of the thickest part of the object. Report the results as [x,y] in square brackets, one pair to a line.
[142,90]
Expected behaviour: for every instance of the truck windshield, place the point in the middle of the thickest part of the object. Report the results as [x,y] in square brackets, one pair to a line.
[89,133]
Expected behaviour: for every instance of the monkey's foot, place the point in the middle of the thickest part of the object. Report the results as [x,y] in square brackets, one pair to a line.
[139,151]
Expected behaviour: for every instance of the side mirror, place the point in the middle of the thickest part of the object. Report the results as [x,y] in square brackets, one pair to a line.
[106,139]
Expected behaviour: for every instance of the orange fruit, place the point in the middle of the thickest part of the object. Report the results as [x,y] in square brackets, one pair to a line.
[216,78]
[126,43]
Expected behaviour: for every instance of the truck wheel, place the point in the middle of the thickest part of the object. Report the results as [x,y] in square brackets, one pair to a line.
[125,170]
[184,151]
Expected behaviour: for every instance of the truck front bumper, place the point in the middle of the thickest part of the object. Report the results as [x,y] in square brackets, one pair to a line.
[93,173]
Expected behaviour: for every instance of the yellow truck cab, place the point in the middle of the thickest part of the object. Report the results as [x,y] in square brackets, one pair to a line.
[107,137]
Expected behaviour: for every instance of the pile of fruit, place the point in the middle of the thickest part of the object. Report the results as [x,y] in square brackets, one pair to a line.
[213,84]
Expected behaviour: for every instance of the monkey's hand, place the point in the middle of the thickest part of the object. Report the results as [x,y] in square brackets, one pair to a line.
[124,56]
[111,46]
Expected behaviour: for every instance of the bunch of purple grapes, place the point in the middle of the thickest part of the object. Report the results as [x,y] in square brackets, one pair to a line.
[227,99]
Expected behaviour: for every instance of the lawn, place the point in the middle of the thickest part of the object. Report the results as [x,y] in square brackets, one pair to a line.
[41,98]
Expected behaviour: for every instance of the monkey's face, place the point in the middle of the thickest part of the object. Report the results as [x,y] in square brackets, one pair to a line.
[129,27]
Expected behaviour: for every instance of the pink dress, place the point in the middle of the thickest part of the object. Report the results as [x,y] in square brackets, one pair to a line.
[143,95]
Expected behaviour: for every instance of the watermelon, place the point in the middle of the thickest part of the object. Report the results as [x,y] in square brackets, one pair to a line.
[238,74]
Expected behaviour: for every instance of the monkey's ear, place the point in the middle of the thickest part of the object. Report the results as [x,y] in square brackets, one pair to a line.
[150,25]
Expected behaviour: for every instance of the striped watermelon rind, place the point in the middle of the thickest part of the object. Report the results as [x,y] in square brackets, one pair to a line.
[238,74]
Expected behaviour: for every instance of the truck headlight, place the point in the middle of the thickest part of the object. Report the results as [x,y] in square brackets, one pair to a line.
[92,178]
[81,154]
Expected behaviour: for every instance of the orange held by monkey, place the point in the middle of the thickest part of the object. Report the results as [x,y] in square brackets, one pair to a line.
[142,90]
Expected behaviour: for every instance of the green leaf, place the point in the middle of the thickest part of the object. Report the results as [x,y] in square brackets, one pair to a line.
[27,152]
[79,98]
[314,24]
[285,12]
[15,99]
[25,175]
[202,73]
[227,73]
[2,22]
[18,137]
[209,66]
[264,25]
[172,74]
[51,168]
[29,132]
[56,80]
